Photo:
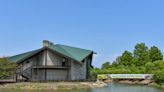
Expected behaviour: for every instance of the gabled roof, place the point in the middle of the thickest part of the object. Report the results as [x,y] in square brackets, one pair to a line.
[19,57]
[77,54]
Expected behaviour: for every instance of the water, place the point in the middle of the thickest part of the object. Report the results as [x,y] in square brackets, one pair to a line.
[113,87]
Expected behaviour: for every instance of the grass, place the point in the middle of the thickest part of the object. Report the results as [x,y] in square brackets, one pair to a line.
[48,86]
[161,86]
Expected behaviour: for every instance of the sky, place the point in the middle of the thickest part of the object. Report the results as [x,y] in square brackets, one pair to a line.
[107,27]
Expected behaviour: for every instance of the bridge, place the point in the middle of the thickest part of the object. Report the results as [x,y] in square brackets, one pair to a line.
[125,76]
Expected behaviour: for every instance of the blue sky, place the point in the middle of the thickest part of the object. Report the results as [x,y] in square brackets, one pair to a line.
[106,26]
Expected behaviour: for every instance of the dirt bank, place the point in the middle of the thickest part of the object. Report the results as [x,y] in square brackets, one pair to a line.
[142,82]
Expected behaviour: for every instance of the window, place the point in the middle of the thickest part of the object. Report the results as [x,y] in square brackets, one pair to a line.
[83,61]
[27,62]
[64,62]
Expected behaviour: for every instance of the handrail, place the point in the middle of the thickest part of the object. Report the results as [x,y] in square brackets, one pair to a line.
[24,73]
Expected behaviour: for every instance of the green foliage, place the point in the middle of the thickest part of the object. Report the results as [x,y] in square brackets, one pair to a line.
[155,54]
[126,58]
[159,65]
[96,71]
[134,69]
[159,76]
[140,49]
[141,61]
[141,53]
[106,65]
[7,68]
[150,67]
[102,76]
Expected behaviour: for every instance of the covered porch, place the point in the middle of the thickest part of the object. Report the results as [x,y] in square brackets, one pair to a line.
[50,73]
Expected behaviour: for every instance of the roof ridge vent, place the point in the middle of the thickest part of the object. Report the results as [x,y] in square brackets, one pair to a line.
[47,43]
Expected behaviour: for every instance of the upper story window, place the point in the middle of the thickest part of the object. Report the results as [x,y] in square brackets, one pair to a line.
[27,62]
[83,61]
[64,62]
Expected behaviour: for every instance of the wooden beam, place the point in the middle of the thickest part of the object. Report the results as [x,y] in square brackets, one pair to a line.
[46,53]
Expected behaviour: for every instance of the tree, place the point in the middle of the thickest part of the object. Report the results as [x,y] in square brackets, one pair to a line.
[155,54]
[7,68]
[106,65]
[141,53]
[134,69]
[150,67]
[142,61]
[159,71]
[116,62]
[126,58]
[159,76]
[159,65]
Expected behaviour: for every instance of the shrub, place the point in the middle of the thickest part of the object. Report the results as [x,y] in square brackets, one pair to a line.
[102,76]
[7,68]
[159,76]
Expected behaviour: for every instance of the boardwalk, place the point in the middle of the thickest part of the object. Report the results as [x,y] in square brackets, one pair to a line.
[7,80]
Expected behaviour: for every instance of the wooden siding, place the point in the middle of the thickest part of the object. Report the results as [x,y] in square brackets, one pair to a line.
[43,67]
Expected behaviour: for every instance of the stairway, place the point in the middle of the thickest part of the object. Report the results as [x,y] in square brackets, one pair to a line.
[25,73]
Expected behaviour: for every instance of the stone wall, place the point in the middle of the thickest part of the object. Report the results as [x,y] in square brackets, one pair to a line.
[78,71]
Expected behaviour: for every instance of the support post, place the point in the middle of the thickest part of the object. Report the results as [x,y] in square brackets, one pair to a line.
[31,73]
[16,78]
[46,53]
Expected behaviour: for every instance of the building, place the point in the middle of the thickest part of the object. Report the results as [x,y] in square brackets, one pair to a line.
[54,62]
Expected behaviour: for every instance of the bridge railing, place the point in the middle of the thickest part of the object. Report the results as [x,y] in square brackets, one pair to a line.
[125,76]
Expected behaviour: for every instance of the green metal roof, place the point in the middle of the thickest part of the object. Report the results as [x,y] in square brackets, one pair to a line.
[19,57]
[77,54]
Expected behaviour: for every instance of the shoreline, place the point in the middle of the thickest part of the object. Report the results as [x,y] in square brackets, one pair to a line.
[73,85]
[53,85]
[150,83]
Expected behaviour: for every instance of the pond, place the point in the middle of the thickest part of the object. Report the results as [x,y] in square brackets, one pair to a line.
[112,87]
